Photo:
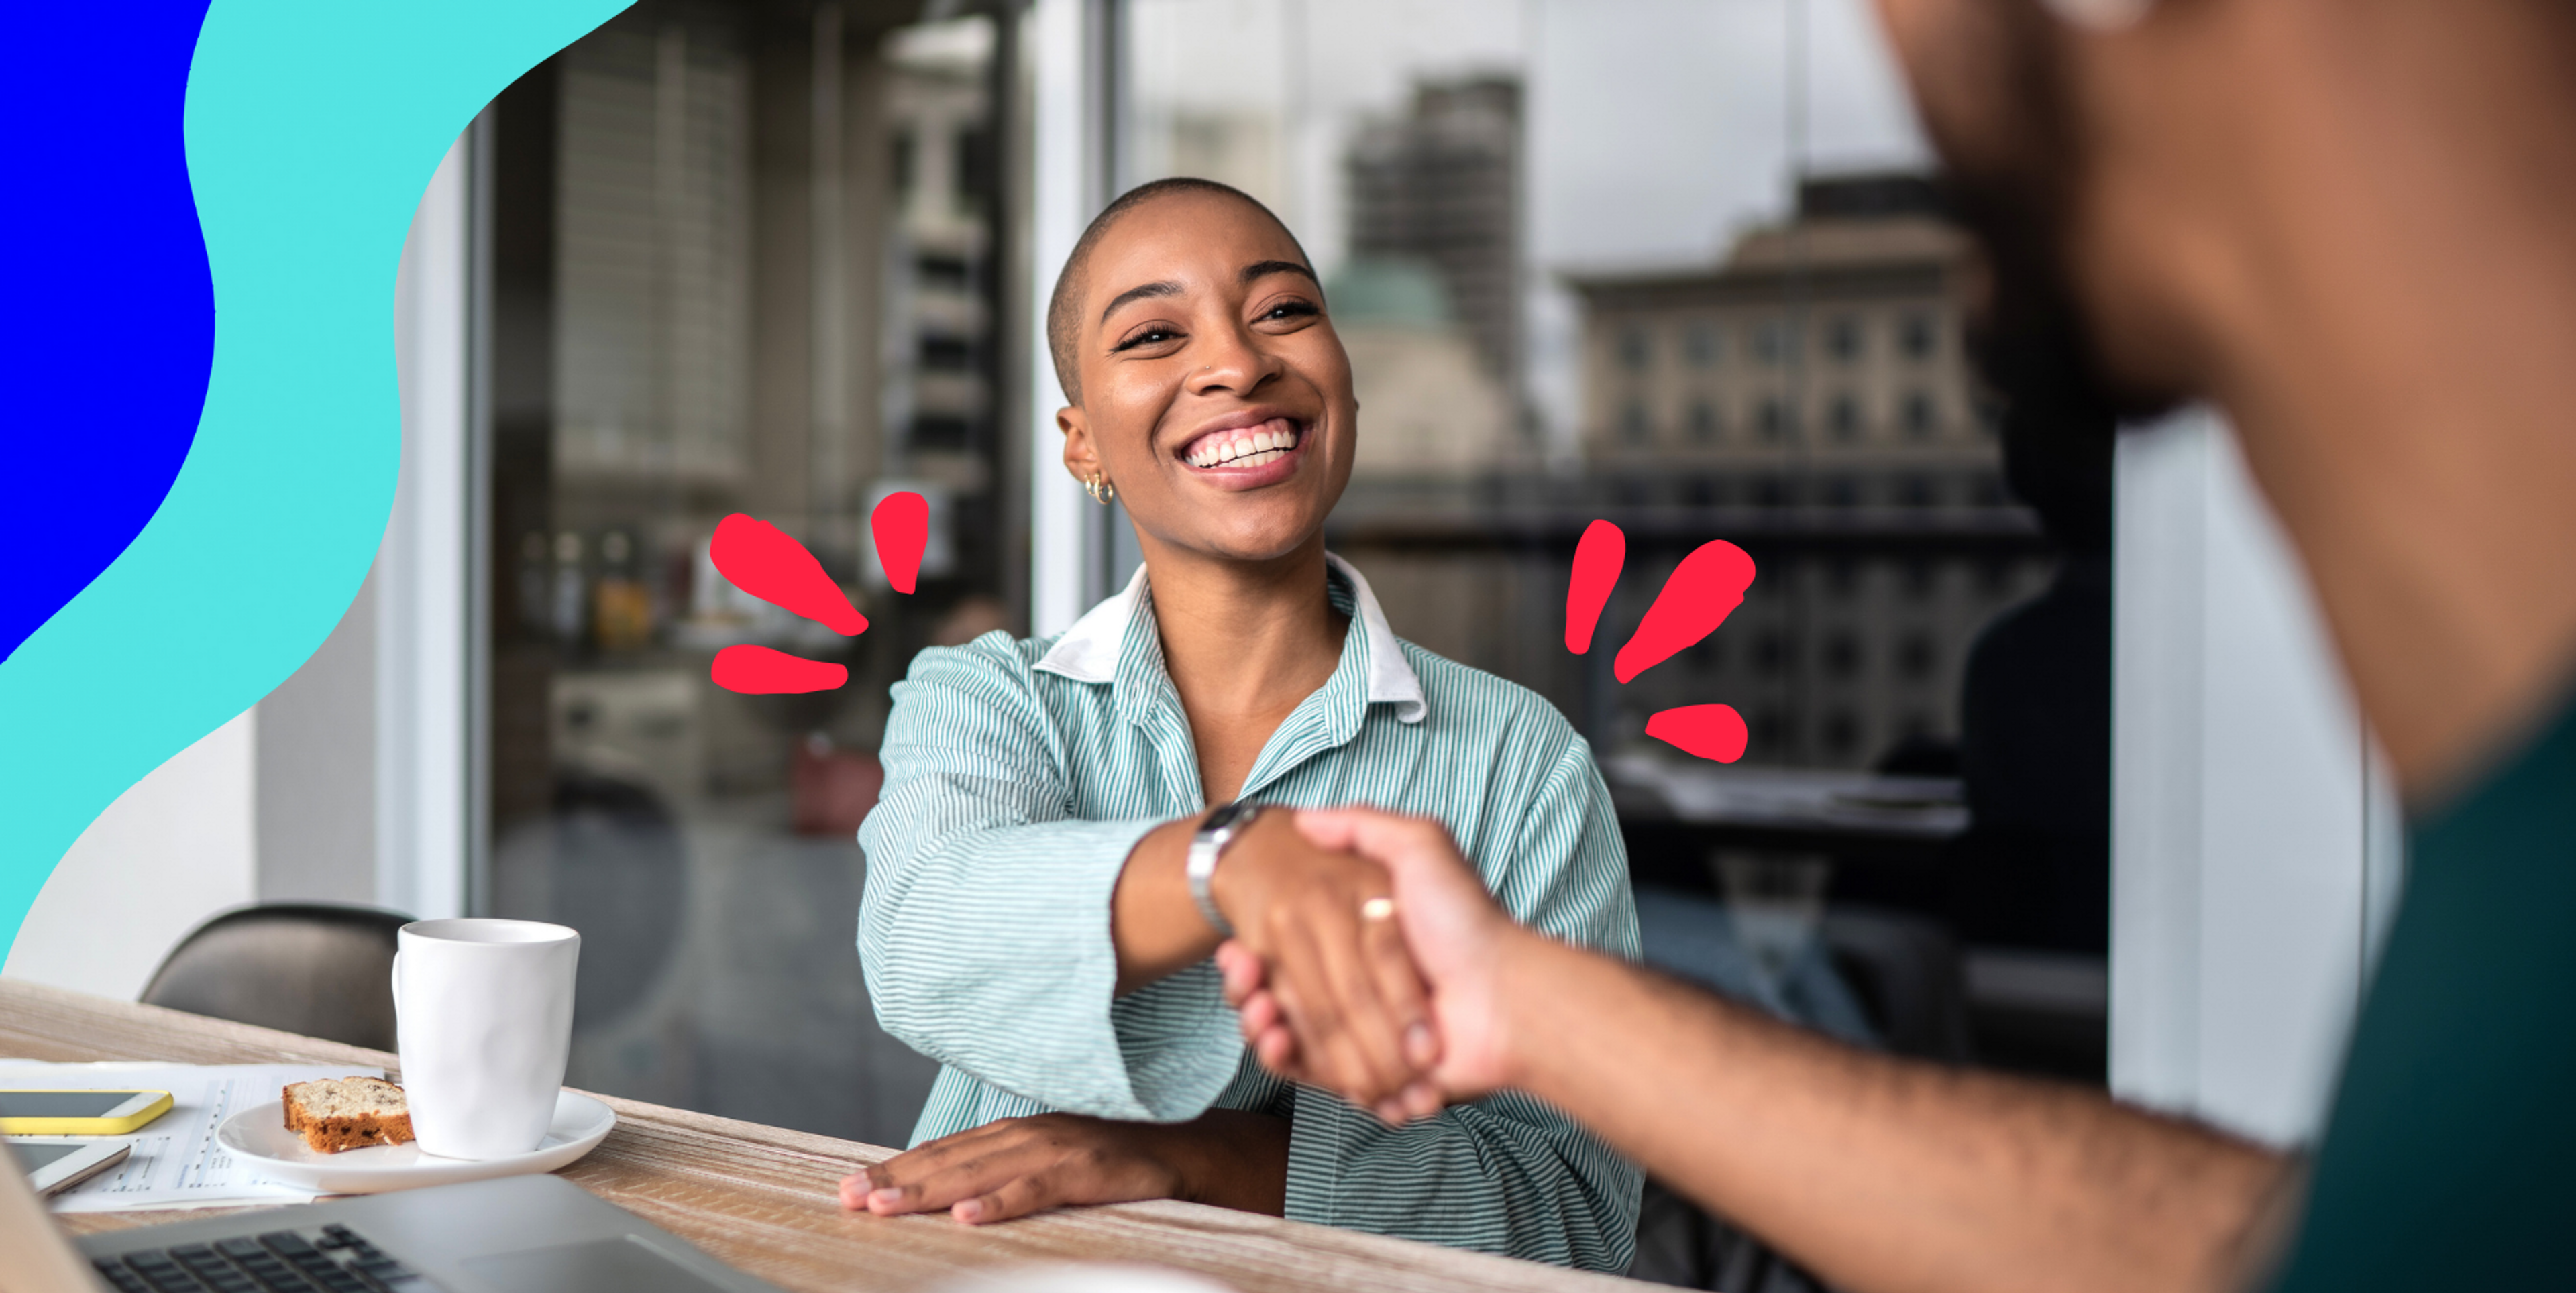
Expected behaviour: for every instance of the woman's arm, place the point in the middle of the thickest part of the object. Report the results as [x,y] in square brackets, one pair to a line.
[998,933]
[1227,1157]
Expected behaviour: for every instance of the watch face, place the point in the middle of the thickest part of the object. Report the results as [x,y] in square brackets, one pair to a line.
[1230,815]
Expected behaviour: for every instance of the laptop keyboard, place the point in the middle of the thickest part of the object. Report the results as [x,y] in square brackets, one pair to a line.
[340,1260]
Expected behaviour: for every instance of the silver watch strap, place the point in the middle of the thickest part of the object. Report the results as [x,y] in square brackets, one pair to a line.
[1209,844]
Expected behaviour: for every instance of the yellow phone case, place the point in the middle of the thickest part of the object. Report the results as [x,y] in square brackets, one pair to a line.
[84,1126]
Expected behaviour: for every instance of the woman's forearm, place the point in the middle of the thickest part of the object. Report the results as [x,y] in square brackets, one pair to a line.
[1231,1159]
[1153,924]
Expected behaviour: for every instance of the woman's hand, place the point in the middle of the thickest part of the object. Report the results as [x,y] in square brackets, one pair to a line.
[1018,1166]
[1456,933]
[1321,922]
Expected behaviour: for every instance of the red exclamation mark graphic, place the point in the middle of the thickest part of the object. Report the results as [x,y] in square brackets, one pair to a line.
[762,671]
[1709,731]
[901,527]
[769,565]
[762,561]
[1703,591]
[1597,559]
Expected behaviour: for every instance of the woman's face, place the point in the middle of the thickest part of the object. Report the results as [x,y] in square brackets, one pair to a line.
[1215,395]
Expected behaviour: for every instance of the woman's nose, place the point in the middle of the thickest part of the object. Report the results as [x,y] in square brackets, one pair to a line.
[1231,359]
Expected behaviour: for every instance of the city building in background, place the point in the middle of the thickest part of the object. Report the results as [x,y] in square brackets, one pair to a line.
[1812,389]
[1442,185]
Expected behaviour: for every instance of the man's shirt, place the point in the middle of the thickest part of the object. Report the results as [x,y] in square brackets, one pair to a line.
[1019,775]
[2450,1159]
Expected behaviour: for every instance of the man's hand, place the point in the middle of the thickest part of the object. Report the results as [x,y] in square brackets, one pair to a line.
[1459,940]
[1315,915]
[1018,1166]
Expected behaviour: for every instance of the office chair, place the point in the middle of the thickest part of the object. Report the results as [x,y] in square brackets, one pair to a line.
[311,968]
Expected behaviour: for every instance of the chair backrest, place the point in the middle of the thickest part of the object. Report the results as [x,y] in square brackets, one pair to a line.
[310,968]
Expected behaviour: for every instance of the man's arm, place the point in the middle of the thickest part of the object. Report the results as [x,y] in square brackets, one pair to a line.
[1878,1173]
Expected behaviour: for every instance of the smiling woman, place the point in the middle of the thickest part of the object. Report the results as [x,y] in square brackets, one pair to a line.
[1047,882]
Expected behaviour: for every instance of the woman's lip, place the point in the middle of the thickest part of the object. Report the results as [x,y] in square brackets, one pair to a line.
[1230,477]
[1249,420]
[1296,427]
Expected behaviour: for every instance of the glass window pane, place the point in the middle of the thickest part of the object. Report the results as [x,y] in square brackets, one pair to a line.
[1685,267]
[745,261]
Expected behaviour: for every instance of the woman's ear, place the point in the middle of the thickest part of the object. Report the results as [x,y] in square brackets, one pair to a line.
[1081,456]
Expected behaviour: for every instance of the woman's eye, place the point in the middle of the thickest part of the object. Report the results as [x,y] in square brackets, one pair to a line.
[1150,336]
[1290,310]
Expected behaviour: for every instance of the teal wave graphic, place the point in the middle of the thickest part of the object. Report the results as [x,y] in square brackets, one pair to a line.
[312,129]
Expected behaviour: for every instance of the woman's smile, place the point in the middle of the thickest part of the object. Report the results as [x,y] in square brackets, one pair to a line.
[1246,450]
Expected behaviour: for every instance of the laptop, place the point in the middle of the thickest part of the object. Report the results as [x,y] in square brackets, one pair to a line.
[518,1234]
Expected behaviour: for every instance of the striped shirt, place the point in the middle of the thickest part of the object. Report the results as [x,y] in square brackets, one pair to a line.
[1019,775]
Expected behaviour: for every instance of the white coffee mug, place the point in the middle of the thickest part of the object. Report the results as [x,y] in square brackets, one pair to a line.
[483,1014]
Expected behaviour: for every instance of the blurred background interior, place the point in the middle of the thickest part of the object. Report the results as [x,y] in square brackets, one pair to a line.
[1677,263]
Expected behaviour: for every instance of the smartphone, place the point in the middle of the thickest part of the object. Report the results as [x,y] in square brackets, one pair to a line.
[57,1163]
[79,1113]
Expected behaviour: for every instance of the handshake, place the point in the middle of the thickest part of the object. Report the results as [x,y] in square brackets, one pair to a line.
[1367,959]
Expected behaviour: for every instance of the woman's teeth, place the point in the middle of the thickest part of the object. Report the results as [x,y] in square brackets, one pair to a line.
[1247,448]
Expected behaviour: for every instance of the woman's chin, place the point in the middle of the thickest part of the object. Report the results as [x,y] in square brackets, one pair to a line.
[1258,540]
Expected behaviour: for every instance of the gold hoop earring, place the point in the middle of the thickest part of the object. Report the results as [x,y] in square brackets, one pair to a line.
[1100,489]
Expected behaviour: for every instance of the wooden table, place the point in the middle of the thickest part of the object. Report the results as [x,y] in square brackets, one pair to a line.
[764,1199]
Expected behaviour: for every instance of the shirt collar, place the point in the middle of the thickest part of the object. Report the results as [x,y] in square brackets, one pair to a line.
[1088,652]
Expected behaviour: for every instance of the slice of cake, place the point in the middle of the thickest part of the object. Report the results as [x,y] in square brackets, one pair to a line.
[347,1113]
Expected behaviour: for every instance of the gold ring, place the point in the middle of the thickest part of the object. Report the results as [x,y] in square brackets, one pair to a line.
[1380,908]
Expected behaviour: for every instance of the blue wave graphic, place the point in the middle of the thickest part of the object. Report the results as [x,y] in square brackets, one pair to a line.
[109,319]
[312,127]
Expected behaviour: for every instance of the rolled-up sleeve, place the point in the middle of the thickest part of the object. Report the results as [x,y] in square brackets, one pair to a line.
[984,923]
[1564,1197]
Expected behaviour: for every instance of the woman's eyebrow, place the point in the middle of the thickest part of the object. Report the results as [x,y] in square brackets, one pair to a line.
[1165,288]
[1261,269]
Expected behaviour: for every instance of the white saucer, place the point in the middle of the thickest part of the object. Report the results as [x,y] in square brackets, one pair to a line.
[258,1137]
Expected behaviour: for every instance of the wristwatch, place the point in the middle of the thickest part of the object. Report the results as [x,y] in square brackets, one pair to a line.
[1217,831]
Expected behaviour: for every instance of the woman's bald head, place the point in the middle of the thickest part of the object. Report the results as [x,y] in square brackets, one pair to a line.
[1064,307]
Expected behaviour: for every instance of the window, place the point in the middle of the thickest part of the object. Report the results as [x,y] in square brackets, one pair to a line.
[1843,338]
[1841,734]
[1636,348]
[1917,656]
[1633,426]
[1771,341]
[1699,342]
[1844,418]
[1569,343]
[1703,422]
[1918,334]
[1772,420]
[1842,656]
[672,345]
